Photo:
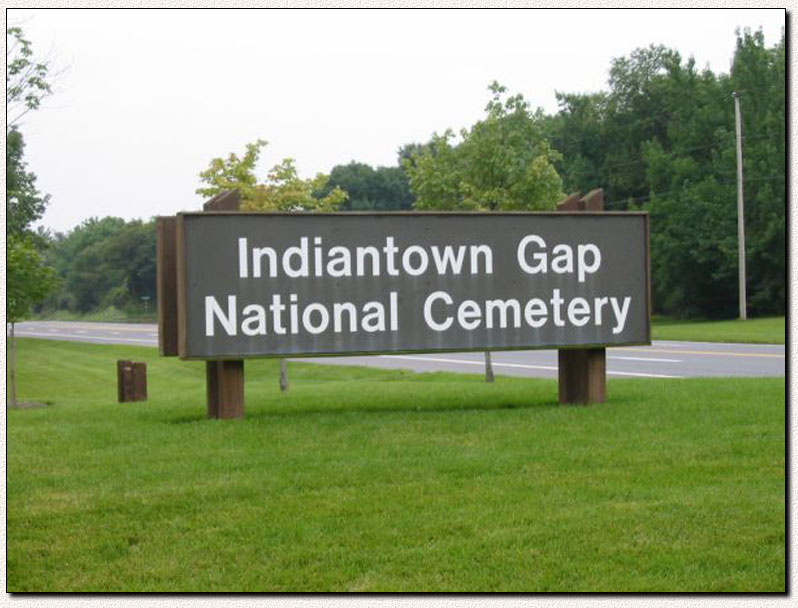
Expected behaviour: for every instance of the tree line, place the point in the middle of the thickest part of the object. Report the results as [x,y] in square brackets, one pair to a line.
[660,138]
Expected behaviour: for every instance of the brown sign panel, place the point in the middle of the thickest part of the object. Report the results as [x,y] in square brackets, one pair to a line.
[259,284]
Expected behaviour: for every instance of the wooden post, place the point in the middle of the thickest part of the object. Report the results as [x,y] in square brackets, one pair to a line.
[225,388]
[226,201]
[166,285]
[225,379]
[582,372]
[582,375]
[124,380]
[131,381]
[139,381]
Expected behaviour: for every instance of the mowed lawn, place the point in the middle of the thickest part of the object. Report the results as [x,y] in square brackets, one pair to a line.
[767,330]
[378,480]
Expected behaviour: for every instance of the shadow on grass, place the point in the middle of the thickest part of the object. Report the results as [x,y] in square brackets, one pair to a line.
[398,409]
[257,411]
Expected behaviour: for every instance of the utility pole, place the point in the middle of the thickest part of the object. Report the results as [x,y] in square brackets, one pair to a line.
[740,208]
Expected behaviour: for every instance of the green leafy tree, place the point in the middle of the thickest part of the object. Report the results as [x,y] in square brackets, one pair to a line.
[28,278]
[233,173]
[408,152]
[691,202]
[26,87]
[24,203]
[369,189]
[693,187]
[105,262]
[502,162]
[27,83]
[579,132]
[283,189]
[437,174]
[602,135]
[759,75]
[662,139]
[28,281]
[80,261]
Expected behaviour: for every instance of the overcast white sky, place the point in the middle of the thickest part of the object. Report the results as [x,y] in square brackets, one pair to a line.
[150,96]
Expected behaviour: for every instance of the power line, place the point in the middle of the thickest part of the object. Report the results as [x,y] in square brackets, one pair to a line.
[677,153]
[634,124]
[647,197]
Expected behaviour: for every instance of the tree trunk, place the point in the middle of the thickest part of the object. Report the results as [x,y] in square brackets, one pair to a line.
[283,375]
[12,371]
[488,367]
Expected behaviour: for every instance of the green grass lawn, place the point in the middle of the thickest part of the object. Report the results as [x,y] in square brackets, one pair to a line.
[769,330]
[370,480]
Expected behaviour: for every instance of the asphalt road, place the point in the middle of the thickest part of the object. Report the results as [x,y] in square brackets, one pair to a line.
[663,359]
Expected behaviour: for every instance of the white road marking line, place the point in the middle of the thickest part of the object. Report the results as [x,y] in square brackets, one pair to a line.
[640,375]
[652,359]
[115,340]
[719,353]
[516,365]
[131,328]
[467,362]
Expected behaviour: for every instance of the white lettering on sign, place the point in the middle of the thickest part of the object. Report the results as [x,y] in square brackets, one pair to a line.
[439,309]
[313,318]
[588,258]
[302,260]
[503,314]
[545,289]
